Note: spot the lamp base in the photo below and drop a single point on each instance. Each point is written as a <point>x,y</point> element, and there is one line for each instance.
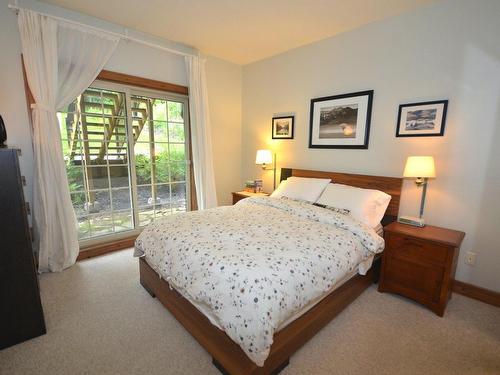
<point>410,220</point>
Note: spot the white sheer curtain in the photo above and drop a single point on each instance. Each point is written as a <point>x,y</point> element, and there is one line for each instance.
<point>61,61</point>
<point>203,168</point>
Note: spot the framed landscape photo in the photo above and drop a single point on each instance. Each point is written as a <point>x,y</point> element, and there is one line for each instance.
<point>426,119</point>
<point>283,127</point>
<point>341,121</point>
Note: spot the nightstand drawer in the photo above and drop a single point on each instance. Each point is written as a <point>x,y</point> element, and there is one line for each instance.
<point>416,249</point>
<point>419,282</point>
<point>420,263</point>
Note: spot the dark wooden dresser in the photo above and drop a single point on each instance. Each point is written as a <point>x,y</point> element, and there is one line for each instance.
<point>420,263</point>
<point>21,314</point>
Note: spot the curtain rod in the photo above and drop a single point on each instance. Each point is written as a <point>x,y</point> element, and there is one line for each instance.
<point>124,36</point>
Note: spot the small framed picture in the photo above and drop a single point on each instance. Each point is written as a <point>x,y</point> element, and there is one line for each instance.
<point>341,121</point>
<point>283,127</point>
<point>426,119</point>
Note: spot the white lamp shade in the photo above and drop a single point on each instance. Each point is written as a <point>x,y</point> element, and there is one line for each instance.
<point>420,166</point>
<point>264,157</point>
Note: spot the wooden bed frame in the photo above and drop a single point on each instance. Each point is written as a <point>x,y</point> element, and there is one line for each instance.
<point>227,356</point>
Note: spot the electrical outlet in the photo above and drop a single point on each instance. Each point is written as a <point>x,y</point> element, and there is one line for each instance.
<point>470,258</point>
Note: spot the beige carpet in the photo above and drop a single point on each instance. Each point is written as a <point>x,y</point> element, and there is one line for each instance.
<point>101,321</point>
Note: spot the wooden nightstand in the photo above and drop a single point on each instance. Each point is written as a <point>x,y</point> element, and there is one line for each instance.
<point>239,195</point>
<point>420,263</point>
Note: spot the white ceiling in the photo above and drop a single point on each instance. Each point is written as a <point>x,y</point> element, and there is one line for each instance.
<point>242,31</point>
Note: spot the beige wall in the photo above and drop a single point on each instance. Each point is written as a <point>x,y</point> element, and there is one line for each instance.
<point>447,50</point>
<point>224,96</point>
<point>13,107</point>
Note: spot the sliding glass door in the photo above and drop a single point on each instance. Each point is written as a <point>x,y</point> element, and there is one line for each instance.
<point>160,157</point>
<point>126,155</point>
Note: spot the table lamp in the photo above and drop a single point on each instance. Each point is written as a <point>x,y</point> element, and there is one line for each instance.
<point>265,157</point>
<point>421,168</point>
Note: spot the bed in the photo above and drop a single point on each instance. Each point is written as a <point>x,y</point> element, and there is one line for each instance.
<point>193,276</point>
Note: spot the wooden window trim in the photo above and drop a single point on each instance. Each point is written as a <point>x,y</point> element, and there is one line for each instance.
<point>106,247</point>
<point>126,79</point>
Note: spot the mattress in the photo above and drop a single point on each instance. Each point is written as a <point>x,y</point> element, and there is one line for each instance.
<point>362,269</point>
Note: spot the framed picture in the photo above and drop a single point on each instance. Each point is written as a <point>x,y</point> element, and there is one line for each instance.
<point>426,119</point>
<point>283,127</point>
<point>341,121</point>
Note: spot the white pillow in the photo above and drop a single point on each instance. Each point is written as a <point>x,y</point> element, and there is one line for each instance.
<point>366,205</point>
<point>305,189</point>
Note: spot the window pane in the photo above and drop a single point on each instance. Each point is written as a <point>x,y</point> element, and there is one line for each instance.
<point>113,103</point>
<point>163,195</point>
<point>162,171</point>
<point>79,200</point>
<point>145,195</point>
<point>179,191</point>
<point>176,132</point>
<point>142,168</point>
<point>160,131</point>
<point>91,102</point>
<point>71,149</point>
<point>118,134</point>
<point>146,215</point>
<point>175,112</point>
<point>179,197</point>
<point>69,126</point>
<point>97,177</point>
<point>177,152</point>
<point>83,228</point>
<point>121,199</point>
<point>75,177</point>
<point>159,110</point>
<point>178,171</point>
<point>98,202</point>
<point>92,152</point>
<point>163,210</point>
<point>161,152</point>
<point>101,224</point>
<point>119,176</point>
<point>66,124</point>
<point>116,130</point>
<point>139,105</point>
<point>95,146</point>
<point>141,130</point>
<point>120,159</point>
<point>142,148</point>
<point>123,220</point>
<point>91,112</point>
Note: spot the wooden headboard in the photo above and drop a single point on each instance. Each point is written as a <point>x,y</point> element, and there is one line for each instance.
<point>389,185</point>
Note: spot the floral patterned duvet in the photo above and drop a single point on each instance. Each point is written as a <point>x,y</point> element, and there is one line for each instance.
<point>256,263</point>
